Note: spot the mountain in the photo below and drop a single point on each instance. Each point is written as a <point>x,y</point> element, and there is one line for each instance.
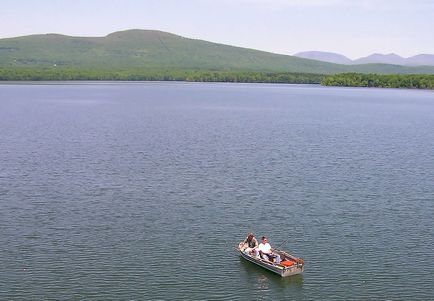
<point>417,60</point>
<point>421,60</point>
<point>378,58</point>
<point>145,49</point>
<point>151,49</point>
<point>323,56</point>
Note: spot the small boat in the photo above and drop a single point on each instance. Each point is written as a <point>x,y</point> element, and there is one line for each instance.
<point>290,265</point>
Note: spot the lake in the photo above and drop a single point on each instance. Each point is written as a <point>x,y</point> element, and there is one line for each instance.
<point>141,191</point>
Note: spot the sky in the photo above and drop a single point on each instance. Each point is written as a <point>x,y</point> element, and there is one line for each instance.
<point>355,28</point>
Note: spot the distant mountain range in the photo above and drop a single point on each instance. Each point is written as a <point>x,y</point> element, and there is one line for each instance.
<point>152,49</point>
<point>376,58</point>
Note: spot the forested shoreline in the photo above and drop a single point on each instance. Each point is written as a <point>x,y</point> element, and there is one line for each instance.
<point>61,74</point>
<point>409,81</point>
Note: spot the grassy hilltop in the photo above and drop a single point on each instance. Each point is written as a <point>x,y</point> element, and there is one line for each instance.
<point>144,49</point>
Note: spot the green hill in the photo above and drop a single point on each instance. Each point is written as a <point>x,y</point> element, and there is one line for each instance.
<point>149,49</point>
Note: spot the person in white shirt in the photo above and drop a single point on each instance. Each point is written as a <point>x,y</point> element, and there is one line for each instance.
<point>264,250</point>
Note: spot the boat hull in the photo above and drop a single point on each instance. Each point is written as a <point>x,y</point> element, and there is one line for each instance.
<point>283,271</point>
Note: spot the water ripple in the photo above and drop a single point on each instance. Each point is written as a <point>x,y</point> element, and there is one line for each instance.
<point>141,192</point>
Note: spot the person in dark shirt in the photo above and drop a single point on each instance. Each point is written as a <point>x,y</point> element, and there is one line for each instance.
<point>249,244</point>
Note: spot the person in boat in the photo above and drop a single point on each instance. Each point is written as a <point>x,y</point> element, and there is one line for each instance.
<point>249,244</point>
<point>266,252</point>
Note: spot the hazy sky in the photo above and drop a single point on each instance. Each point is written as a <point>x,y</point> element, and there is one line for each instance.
<point>352,27</point>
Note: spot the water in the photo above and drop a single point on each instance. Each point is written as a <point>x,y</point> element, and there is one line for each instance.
<point>140,191</point>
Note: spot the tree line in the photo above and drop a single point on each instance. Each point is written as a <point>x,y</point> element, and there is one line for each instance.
<point>34,74</point>
<point>410,81</point>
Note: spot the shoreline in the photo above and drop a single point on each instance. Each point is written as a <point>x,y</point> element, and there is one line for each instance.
<point>366,80</point>
<point>138,82</point>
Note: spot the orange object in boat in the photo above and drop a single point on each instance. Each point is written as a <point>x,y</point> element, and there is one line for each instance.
<point>287,263</point>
